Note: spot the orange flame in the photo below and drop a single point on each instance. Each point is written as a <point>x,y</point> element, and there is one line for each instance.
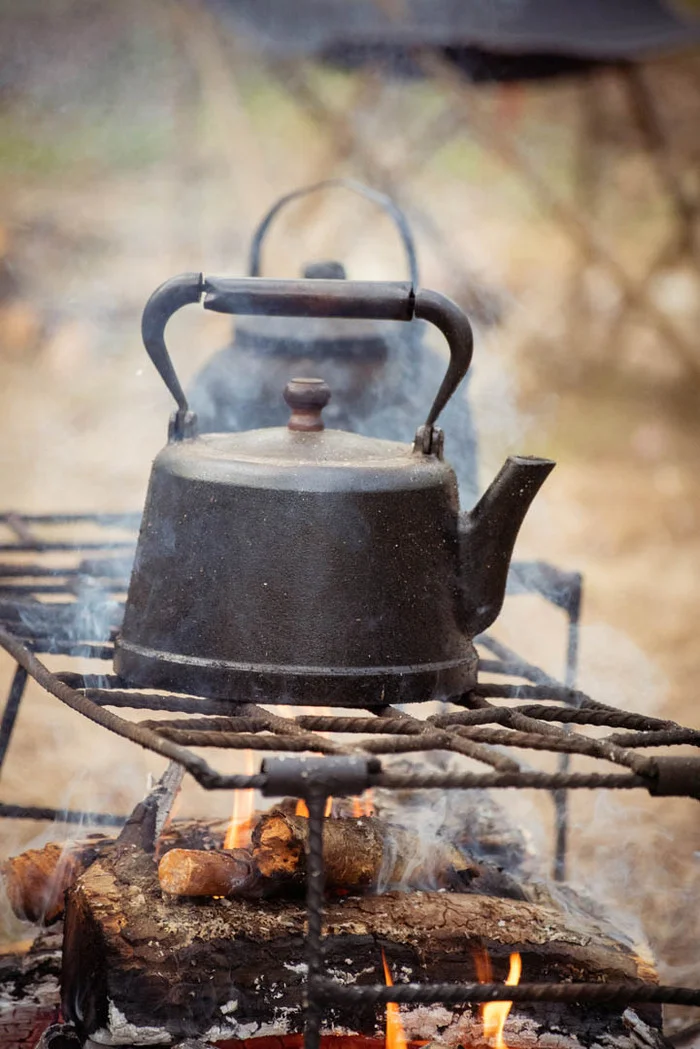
<point>302,808</point>
<point>241,820</point>
<point>363,806</point>
<point>395,1034</point>
<point>495,1014</point>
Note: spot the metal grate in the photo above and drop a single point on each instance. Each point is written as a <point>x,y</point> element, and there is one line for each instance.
<point>62,584</point>
<point>62,593</point>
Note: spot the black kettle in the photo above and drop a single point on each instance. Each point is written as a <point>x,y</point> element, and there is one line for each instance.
<point>305,565</point>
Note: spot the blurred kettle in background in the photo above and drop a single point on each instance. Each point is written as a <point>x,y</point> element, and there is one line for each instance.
<point>383,375</point>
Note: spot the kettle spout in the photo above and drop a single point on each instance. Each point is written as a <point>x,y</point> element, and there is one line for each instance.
<point>487,536</point>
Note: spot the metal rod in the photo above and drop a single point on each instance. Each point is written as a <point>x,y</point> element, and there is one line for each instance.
<point>37,812</point>
<point>125,520</point>
<point>316,802</point>
<point>9,716</point>
<point>453,994</point>
<point>561,797</point>
<point>52,547</point>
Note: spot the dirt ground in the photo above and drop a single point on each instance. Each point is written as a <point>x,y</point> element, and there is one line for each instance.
<point>124,160</point>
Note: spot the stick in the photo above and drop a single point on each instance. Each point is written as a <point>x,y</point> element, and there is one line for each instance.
<point>193,872</point>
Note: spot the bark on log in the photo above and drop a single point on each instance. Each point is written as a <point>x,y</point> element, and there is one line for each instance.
<point>135,960</point>
<point>357,853</point>
<point>36,880</point>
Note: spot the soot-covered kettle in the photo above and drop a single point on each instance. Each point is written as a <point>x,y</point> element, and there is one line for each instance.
<point>300,564</point>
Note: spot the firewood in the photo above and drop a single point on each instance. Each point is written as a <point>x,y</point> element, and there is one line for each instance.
<point>178,967</point>
<point>36,880</point>
<point>194,872</point>
<point>356,852</point>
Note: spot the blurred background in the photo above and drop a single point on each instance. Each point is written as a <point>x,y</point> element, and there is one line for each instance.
<point>547,156</point>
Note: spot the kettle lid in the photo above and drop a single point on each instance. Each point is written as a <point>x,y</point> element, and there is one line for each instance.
<point>303,455</point>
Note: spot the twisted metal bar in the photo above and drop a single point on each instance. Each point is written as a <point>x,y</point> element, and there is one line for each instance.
<point>309,743</point>
<point>674,737</point>
<point>433,739</point>
<point>453,994</point>
<point>315,879</point>
<point>570,743</point>
<point>534,780</point>
<point>583,715</point>
<point>195,765</point>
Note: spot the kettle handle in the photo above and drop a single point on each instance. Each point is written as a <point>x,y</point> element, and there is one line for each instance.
<point>386,203</point>
<point>358,300</point>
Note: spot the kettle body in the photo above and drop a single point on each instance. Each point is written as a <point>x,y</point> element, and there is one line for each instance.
<point>270,567</point>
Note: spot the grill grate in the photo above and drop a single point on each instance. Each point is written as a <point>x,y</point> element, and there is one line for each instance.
<point>63,580</point>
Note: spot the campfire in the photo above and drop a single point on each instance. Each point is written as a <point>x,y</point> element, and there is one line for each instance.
<point>180,929</point>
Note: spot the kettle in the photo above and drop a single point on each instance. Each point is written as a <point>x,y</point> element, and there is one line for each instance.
<point>305,565</point>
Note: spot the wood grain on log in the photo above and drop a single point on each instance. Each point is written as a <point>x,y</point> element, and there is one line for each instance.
<point>135,960</point>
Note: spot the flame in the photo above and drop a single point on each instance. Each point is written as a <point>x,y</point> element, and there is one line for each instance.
<point>302,808</point>
<point>363,806</point>
<point>495,1014</point>
<point>395,1034</point>
<point>242,816</point>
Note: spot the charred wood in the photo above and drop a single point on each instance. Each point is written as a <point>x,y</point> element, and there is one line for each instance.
<point>357,853</point>
<point>136,960</point>
<point>29,990</point>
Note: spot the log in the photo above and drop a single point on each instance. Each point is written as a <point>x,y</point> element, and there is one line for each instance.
<point>139,965</point>
<point>36,880</point>
<point>357,853</point>
<point>192,872</point>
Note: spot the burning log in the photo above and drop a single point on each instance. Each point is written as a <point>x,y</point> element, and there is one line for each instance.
<point>356,853</point>
<point>191,872</point>
<point>137,960</point>
<point>36,880</point>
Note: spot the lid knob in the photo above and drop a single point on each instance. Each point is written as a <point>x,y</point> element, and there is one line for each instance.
<point>307,398</point>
